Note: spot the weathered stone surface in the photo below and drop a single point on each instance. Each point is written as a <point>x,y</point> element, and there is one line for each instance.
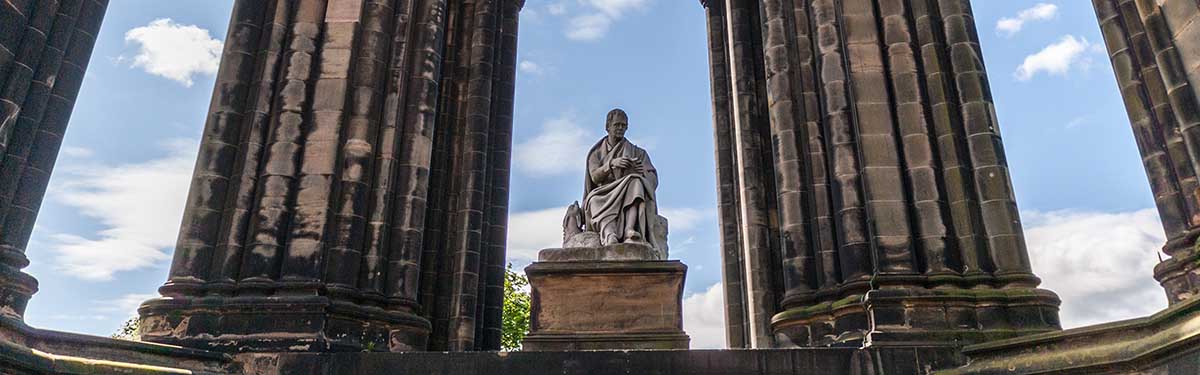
<point>25,350</point>
<point>824,361</point>
<point>858,151</point>
<point>614,252</point>
<point>353,173</point>
<point>45,47</point>
<point>1162,344</point>
<point>1155,52</point>
<point>583,239</point>
<point>581,305</point>
<point>619,203</point>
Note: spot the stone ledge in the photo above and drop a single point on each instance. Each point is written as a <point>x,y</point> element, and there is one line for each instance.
<point>602,341</point>
<point>1127,346</point>
<point>616,252</point>
<point>37,351</point>
<point>825,361</point>
<point>652,266</point>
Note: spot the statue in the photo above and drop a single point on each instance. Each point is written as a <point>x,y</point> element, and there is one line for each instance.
<point>619,205</point>
<point>610,286</point>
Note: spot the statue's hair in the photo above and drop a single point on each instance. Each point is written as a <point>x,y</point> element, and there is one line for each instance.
<point>614,114</point>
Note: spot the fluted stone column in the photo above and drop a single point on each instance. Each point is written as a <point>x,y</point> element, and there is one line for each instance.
<point>351,189</point>
<point>45,46</point>
<point>864,193</point>
<point>1155,50</point>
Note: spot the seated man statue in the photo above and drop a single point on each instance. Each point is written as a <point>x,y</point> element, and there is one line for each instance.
<point>619,203</point>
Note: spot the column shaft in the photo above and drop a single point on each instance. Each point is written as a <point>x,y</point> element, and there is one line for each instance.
<point>1154,50</point>
<point>316,232</point>
<point>727,190</point>
<point>753,172</point>
<point>865,231</point>
<point>44,53</point>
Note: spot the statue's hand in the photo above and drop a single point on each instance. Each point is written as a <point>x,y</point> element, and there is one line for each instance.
<point>622,163</point>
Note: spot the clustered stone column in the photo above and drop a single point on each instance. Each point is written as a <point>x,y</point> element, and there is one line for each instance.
<point>351,191</point>
<point>1155,51</point>
<point>864,193</point>
<point>45,46</point>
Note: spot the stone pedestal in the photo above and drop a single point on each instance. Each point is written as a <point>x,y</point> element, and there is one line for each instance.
<point>599,305</point>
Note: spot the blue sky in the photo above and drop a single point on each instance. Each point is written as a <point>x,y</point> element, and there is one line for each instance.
<point>105,233</point>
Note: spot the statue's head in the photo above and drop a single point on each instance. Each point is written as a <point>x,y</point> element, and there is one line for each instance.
<point>617,124</point>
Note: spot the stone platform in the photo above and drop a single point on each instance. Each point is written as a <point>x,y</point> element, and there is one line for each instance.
<point>824,361</point>
<point>595,305</point>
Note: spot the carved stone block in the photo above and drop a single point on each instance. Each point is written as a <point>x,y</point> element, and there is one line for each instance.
<point>582,305</point>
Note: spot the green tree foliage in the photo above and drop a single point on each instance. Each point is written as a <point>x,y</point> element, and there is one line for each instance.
<point>129,330</point>
<point>516,310</point>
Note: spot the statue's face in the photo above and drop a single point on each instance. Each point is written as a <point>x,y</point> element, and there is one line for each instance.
<point>617,129</point>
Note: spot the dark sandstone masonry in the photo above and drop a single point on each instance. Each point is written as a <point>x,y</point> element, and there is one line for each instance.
<point>864,194</point>
<point>831,361</point>
<point>1155,52</point>
<point>45,46</point>
<point>351,191</point>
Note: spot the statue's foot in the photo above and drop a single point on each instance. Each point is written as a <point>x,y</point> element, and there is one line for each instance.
<point>634,236</point>
<point>610,239</point>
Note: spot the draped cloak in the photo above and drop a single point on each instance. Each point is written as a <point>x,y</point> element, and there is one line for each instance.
<point>610,192</point>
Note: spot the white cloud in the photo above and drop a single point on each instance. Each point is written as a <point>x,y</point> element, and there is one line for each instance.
<point>125,305</point>
<point>1100,264</point>
<point>616,8</point>
<point>173,51</point>
<point>704,318</point>
<point>530,67</point>
<point>681,218</point>
<point>1076,122</point>
<point>77,152</point>
<point>532,231</point>
<point>140,206</point>
<point>557,9</point>
<point>599,17</point>
<point>1012,25</point>
<point>1057,58</point>
<point>79,317</point>
<point>588,27</point>
<point>560,148</point>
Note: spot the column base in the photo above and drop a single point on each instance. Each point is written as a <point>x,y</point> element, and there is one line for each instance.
<point>16,288</point>
<point>606,305</point>
<point>280,324</point>
<point>1179,275</point>
<point>914,316</point>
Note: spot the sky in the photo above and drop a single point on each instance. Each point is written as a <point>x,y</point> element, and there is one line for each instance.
<point>104,237</point>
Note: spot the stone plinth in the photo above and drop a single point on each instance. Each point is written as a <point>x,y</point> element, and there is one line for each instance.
<point>596,305</point>
<point>616,252</point>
